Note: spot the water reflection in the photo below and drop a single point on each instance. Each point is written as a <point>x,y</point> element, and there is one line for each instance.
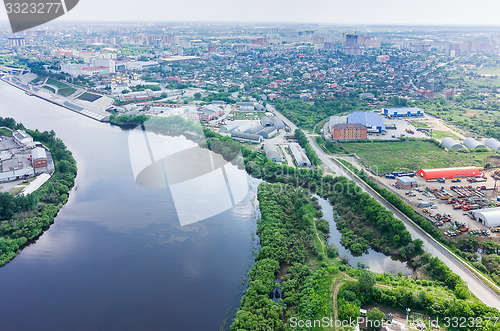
<point>375,261</point>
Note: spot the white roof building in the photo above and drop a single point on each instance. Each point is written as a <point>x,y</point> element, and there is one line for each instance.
<point>488,217</point>
<point>299,155</point>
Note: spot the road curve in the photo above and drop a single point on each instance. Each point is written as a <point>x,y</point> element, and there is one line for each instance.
<point>476,285</point>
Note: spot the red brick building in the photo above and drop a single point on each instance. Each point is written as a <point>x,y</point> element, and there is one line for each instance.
<point>349,131</point>
<point>39,157</point>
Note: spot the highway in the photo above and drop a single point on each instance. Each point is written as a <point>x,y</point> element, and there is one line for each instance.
<point>476,285</point>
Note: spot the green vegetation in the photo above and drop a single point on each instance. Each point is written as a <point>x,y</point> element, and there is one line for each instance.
<point>311,154</point>
<point>434,298</point>
<point>26,218</point>
<point>286,232</point>
<point>306,115</point>
<point>51,89</point>
<point>90,97</point>
<point>56,83</point>
<point>442,134</point>
<point>5,132</point>
<point>127,120</point>
<point>411,155</point>
<point>66,92</point>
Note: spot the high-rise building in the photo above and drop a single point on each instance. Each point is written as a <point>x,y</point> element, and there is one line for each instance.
<point>16,41</point>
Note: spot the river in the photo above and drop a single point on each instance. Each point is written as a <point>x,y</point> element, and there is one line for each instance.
<point>116,257</point>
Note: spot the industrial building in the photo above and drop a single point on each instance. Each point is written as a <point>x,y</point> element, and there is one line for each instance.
<point>335,120</point>
<point>473,143</point>
<point>21,137</point>
<point>255,129</point>
<point>38,157</point>
<point>488,217</point>
<point>372,121</point>
<point>268,132</point>
<point>449,173</point>
<point>404,112</point>
<point>406,182</point>
<point>493,144</point>
<point>272,121</point>
<point>452,144</point>
<point>230,127</point>
<point>272,152</point>
<point>249,106</point>
<point>349,131</point>
<point>246,137</point>
<point>299,155</point>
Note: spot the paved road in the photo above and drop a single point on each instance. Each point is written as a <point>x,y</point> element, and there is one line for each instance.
<point>476,285</point>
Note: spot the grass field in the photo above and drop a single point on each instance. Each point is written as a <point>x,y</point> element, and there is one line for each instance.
<point>5,132</point>
<point>66,91</point>
<point>89,97</point>
<point>56,83</point>
<point>51,89</point>
<point>441,134</point>
<point>412,155</point>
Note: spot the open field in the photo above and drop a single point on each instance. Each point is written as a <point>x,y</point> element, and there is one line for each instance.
<point>441,134</point>
<point>56,83</point>
<point>51,89</point>
<point>66,91</point>
<point>412,155</point>
<point>91,97</point>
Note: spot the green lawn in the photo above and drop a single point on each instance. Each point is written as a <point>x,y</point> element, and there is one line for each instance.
<point>418,124</point>
<point>56,83</point>
<point>89,97</point>
<point>51,89</point>
<point>413,155</point>
<point>5,132</point>
<point>441,134</point>
<point>66,91</point>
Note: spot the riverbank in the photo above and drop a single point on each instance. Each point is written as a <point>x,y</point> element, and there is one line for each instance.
<point>26,217</point>
<point>57,100</point>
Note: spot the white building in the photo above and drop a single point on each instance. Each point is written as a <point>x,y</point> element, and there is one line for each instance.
<point>488,217</point>
<point>21,137</point>
<point>299,155</point>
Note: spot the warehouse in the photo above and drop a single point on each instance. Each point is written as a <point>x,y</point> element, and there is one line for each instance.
<point>372,121</point>
<point>449,173</point>
<point>266,121</point>
<point>268,132</point>
<point>404,112</point>
<point>473,143</point>
<point>272,152</point>
<point>246,137</point>
<point>493,144</point>
<point>255,129</point>
<point>451,144</point>
<point>243,128</point>
<point>39,157</point>
<point>230,127</point>
<point>406,182</point>
<point>278,124</point>
<point>299,155</point>
<point>22,138</point>
<point>488,217</point>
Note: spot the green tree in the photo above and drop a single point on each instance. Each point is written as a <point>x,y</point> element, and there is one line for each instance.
<point>366,281</point>
<point>375,318</point>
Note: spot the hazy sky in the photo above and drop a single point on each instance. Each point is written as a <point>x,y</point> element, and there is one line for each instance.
<point>321,11</point>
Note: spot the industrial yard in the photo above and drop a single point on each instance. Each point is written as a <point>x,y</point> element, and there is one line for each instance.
<point>452,203</point>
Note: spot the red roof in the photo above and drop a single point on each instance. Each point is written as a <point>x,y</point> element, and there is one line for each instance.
<point>430,174</point>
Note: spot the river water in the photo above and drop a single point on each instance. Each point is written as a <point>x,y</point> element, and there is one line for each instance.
<point>116,257</point>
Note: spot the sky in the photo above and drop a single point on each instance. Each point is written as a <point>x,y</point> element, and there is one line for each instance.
<point>391,12</point>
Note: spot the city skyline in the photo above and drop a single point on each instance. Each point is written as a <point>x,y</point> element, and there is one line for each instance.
<point>385,12</point>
